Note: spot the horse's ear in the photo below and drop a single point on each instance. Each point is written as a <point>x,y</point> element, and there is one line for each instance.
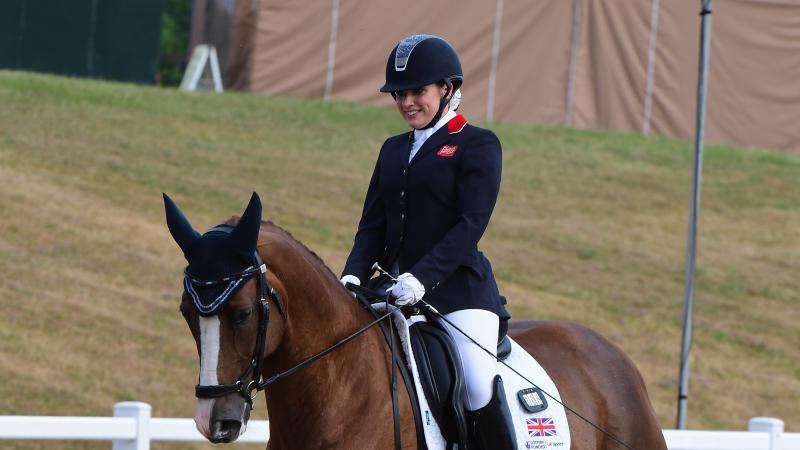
<point>179,226</point>
<point>245,236</point>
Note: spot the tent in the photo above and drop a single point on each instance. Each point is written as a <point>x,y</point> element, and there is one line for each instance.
<point>584,63</point>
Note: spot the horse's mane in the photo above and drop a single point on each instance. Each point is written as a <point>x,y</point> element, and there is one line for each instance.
<point>272,227</point>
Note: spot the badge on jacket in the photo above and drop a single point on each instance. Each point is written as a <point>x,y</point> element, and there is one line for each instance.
<point>447,151</point>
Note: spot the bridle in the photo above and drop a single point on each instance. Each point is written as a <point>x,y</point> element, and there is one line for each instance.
<point>254,369</point>
<point>251,378</point>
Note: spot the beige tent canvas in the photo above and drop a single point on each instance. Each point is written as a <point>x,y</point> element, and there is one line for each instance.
<point>629,66</point>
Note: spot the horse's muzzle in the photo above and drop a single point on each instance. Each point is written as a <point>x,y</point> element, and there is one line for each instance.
<point>225,431</point>
<point>228,420</point>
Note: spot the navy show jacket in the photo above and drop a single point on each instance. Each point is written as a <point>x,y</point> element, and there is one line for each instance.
<point>428,215</point>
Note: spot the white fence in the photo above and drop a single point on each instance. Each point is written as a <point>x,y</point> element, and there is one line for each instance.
<point>764,433</point>
<point>132,428</point>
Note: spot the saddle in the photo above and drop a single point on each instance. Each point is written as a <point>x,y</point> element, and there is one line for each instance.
<point>441,376</point>
<point>439,368</point>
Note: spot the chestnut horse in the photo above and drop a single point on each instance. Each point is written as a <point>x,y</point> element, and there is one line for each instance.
<point>343,400</point>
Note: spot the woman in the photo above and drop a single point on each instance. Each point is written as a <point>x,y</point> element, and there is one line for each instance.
<point>428,203</point>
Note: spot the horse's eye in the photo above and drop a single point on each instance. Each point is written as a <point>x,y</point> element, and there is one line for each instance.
<point>242,316</point>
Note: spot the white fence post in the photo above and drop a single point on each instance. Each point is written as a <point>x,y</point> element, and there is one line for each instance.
<point>774,427</point>
<point>141,412</point>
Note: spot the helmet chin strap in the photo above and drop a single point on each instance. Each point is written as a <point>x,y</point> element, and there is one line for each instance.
<point>442,105</point>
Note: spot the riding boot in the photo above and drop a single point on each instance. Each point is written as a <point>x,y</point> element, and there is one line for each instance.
<point>491,427</point>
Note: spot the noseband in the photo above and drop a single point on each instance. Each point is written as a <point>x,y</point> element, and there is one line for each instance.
<point>253,371</point>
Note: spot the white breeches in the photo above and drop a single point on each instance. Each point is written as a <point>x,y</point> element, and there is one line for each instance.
<point>479,367</point>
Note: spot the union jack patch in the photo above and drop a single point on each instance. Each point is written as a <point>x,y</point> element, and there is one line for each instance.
<point>447,151</point>
<point>541,426</point>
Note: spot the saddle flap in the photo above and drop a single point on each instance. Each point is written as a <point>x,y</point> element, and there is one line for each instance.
<point>439,368</point>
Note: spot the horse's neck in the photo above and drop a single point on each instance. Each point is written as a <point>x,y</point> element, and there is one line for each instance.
<point>320,313</point>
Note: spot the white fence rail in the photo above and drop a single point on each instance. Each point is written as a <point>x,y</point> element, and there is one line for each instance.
<point>764,433</point>
<point>133,428</point>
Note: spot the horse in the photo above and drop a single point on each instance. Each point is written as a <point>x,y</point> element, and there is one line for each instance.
<point>343,400</point>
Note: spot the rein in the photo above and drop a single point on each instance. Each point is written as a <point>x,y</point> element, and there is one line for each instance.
<point>263,384</point>
<point>280,376</point>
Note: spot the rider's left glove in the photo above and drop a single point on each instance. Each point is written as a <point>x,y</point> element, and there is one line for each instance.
<point>407,291</point>
<point>350,279</point>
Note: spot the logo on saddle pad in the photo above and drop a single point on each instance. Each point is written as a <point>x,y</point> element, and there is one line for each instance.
<point>447,151</point>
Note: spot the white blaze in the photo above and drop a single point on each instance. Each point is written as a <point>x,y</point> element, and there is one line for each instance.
<point>209,356</point>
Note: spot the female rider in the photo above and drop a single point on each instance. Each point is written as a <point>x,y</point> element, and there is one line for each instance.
<point>428,203</point>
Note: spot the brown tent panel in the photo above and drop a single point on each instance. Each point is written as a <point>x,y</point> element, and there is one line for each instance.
<point>615,65</point>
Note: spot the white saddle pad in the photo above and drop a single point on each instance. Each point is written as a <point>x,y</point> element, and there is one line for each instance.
<point>547,429</point>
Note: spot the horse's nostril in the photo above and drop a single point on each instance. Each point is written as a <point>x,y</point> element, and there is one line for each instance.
<point>225,431</point>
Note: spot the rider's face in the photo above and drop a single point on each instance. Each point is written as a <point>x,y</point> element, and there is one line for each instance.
<point>418,106</point>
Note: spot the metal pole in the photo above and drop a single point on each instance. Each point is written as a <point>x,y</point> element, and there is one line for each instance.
<point>705,39</point>
<point>655,6</point>
<point>498,26</point>
<point>573,63</point>
<point>331,50</point>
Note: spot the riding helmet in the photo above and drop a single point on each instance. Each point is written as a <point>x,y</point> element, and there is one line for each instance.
<point>419,60</point>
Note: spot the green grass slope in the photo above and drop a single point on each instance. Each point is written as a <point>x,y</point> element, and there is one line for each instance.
<point>590,227</point>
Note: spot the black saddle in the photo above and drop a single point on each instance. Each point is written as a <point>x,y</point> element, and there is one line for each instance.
<point>441,376</point>
<point>439,367</point>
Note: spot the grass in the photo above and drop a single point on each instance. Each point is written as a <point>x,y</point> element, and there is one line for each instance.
<point>590,227</point>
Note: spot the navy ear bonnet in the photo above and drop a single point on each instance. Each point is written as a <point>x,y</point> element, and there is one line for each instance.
<point>220,260</point>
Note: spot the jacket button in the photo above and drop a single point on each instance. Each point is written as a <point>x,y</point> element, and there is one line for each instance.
<point>402,217</point>
<point>402,194</point>
<point>404,171</point>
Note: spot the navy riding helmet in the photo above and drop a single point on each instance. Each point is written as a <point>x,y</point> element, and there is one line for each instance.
<point>422,59</point>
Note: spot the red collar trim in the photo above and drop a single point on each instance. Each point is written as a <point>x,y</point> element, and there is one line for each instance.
<point>456,124</point>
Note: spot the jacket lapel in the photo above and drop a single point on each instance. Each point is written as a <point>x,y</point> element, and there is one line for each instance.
<point>442,136</point>
<point>403,155</point>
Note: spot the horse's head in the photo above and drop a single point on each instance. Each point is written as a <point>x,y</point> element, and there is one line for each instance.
<point>226,303</point>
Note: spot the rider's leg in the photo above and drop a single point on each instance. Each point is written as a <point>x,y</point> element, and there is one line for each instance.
<point>479,367</point>
<point>488,413</point>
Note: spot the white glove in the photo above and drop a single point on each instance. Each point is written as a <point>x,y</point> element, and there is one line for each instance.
<point>350,279</point>
<point>407,291</point>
